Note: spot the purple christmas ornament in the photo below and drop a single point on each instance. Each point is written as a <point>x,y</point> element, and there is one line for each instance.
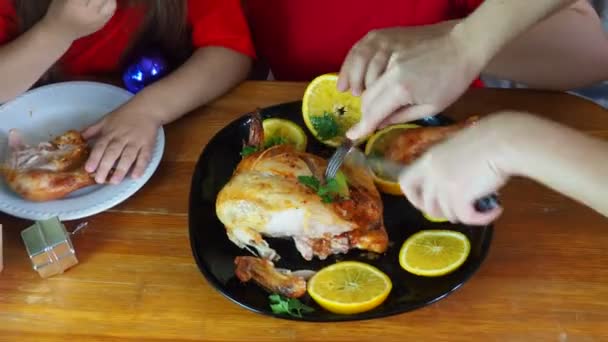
<point>146,70</point>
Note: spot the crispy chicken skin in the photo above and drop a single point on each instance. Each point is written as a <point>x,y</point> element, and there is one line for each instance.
<point>410,144</point>
<point>262,271</point>
<point>48,171</point>
<point>264,198</point>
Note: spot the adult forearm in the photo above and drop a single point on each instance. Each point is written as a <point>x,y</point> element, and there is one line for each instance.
<point>557,156</point>
<point>209,73</point>
<point>497,22</point>
<point>568,50</point>
<point>24,60</point>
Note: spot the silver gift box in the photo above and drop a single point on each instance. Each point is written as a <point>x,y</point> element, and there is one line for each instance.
<point>49,247</point>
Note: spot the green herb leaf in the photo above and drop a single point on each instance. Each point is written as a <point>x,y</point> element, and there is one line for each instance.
<point>276,140</point>
<point>342,184</point>
<point>310,181</point>
<point>330,187</point>
<point>296,308</point>
<point>280,308</point>
<point>326,198</point>
<point>325,125</point>
<point>306,309</point>
<point>289,306</point>
<point>247,150</point>
<point>275,298</point>
<point>328,192</point>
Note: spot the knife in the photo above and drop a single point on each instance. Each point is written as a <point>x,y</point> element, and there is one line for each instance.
<point>391,170</point>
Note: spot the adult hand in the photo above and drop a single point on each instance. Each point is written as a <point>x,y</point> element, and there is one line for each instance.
<point>408,73</point>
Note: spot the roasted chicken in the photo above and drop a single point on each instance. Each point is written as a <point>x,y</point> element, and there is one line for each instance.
<point>48,171</point>
<point>265,198</point>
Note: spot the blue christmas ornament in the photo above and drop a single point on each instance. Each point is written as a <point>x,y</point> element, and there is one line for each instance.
<point>146,70</point>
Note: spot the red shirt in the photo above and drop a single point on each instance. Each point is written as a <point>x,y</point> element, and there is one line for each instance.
<point>213,22</point>
<point>301,39</point>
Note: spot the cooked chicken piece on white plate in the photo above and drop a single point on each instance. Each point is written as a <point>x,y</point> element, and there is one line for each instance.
<point>47,171</point>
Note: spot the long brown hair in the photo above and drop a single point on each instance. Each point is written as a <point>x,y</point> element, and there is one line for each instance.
<point>165,27</point>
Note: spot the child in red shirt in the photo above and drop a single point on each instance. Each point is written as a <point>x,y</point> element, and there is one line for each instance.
<point>300,40</point>
<point>206,42</point>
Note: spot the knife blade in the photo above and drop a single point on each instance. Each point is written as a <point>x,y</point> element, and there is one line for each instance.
<point>390,170</point>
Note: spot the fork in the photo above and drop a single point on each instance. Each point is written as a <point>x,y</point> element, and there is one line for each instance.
<point>481,205</point>
<point>336,160</point>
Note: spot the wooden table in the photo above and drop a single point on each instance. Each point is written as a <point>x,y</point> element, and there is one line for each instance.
<point>546,277</point>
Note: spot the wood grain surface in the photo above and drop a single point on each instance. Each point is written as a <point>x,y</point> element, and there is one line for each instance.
<point>545,279</point>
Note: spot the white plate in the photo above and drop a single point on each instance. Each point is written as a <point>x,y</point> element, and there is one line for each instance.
<point>49,111</point>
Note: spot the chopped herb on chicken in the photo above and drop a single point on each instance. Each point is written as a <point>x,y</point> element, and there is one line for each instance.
<point>326,126</point>
<point>332,190</point>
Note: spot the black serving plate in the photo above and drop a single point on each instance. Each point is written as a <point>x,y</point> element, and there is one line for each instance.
<point>215,254</point>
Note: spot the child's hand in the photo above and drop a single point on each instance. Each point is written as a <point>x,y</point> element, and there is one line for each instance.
<point>447,180</point>
<point>124,138</point>
<point>78,18</point>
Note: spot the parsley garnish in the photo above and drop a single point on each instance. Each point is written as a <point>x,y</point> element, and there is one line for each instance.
<point>328,191</point>
<point>325,125</point>
<point>276,140</point>
<point>247,150</point>
<point>290,306</point>
<point>310,181</point>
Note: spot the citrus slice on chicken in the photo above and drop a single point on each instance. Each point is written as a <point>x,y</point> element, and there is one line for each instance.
<point>375,146</point>
<point>281,131</point>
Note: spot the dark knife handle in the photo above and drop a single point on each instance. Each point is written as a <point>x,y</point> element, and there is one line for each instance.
<point>487,203</point>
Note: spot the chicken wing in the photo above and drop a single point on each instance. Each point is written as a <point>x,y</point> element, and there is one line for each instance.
<point>410,144</point>
<point>263,272</point>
